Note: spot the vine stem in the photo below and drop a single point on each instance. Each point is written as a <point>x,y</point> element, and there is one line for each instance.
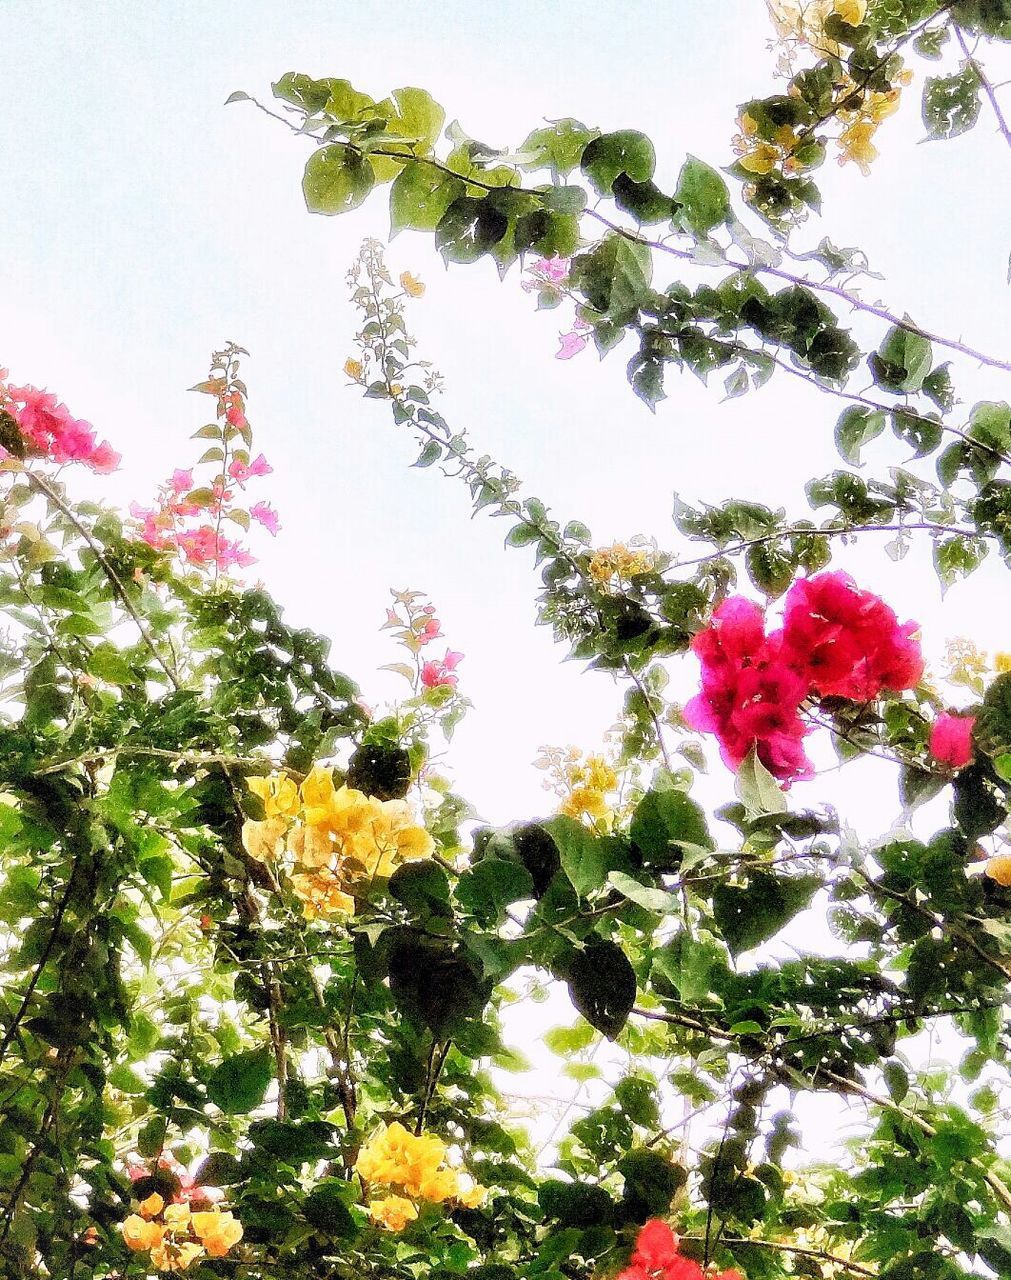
<point>41,485</point>
<point>988,87</point>
<point>995,1183</point>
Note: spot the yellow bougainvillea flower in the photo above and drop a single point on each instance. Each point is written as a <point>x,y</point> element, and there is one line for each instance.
<point>584,801</point>
<point>177,1216</point>
<point>438,1186</point>
<point>397,1157</point>
<point>321,894</point>
<point>152,1206</point>
<point>353,368</point>
<point>411,285</point>
<point>317,793</point>
<point>618,561</point>
<point>857,145</point>
<point>264,840</point>
<point>748,124</point>
<point>472,1197</point>
<point>279,795</point>
<point>218,1231</point>
<point>851,11</point>
<point>599,774</point>
<point>175,1257</point>
<point>393,1212</point>
<point>999,869</point>
<point>138,1234</point>
<point>1002,663</point>
<point>763,159</point>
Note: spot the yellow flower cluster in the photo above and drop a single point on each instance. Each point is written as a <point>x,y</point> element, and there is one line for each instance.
<point>354,369</point>
<point>334,836</point>
<point>856,142</point>
<point>759,156</point>
<point>618,561</point>
<point>584,785</point>
<point>966,664</point>
<point>411,285</point>
<point>413,1168</point>
<point>176,1236</point>
<point>804,20</point>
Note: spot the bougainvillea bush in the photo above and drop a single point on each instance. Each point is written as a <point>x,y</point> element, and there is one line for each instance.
<point>257,952</point>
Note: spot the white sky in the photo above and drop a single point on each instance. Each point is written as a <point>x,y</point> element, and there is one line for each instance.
<point>146,224</point>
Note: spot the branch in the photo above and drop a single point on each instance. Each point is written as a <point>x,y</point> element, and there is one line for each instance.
<point>987,84</point>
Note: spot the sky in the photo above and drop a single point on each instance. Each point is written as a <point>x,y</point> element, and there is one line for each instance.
<point>147,223</point>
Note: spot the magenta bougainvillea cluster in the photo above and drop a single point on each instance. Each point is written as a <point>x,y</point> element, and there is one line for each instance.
<point>836,641</point>
<point>657,1256</point>
<point>48,429</point>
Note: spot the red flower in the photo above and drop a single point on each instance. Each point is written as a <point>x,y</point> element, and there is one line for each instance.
<point>951,740</point>
<point>439,671</point>
<point>750,696</point>
<point>846,642</point>
<point>656,1257</point>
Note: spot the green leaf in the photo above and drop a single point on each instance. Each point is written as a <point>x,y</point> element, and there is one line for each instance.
<point>422,887</point>
<point>624,152</point>
<point>951,104</point>
<point>420,196</point>
<point>336,180</point>
<point>434,982</point>
<point>652,899</point>
<point>903,360</point>
<point>749,914</point>
<point>492,885</point>
<point>602,986</point>
<point>325,1209</point>
<point>855,428</point>
<point>418,116</point>
<point>614,277</point>
<point>921,433</point>
<point>583,856</point>
<point>559,146</point>
<point>703,195</point>
<point>302,91</point>
<point>469,228</point>
<point>651,1183</point>
<point>664,823</point>
<point>757,789</point>
<point>238,1084</point>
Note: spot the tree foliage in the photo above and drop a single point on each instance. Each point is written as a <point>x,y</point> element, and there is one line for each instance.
<point>257,951</point>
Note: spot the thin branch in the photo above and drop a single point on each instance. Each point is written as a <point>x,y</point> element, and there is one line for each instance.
<point>988,87</point>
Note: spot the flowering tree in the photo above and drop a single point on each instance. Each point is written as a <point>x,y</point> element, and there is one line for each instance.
<point>256,951</point>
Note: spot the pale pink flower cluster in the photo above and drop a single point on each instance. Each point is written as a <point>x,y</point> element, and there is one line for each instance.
<point>50,430</point>
<point>547,278</point>
<point>187,520</point>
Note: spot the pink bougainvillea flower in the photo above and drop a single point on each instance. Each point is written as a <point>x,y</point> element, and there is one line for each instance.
<point>657,1257</point>
<point>428,631</point>
<point>750,697</point>
<point>573,342</point>
<point>50,429</point>
<point>553,269</point>
<point>242,471</point>
<point>951,740</point>
<point>263,513</point>
<point>182,481</point>
<point>847,642</point>
<point>440,671</point>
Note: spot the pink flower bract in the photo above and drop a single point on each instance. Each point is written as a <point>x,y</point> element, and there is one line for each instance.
<point>440,671</point>
<point>750,696</point>
<point>847,642</point>
<point>950,740</point>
